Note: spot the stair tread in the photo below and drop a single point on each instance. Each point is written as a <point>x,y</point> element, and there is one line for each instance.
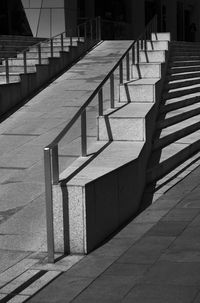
<point>184,109</point>
<point>132,110</point>
<point>181,125</point>
<point>189,87</point>
<point>184,80</point>
<point>147,81</point>
<point>112,157</point>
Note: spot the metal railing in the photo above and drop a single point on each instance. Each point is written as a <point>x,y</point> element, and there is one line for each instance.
<point>89,30</point>
<point>51,159</point>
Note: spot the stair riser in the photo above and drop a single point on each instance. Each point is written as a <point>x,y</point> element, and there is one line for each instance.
<point>48,49</point>
<point>177,105</point>
<point>184,58</point>
<point>147,71</point>
<point>161,37</point>
<point>33,55</point>
<point>20,62</point>
<point>155,56</point>
<point>17,69</point>
<point>121,129</point>
<point>11,78</point>
<point>139,93</point>
<point>157,45</point>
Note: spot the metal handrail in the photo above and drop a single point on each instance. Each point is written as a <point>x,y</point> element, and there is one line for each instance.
<point>51,160</point>
<point>92,22</point>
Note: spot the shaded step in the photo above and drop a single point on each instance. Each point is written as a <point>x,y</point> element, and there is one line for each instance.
<point>178,92</point>
<point>20,62</point>
<point>184,63</point>
<point>180,102</point>
<point>182,83</point>
<point>165,160</point>
<point>184,75</point>
<point>18,69</point>
<point>32,55</point>
<point>13,77</point>
<point>178,115</point>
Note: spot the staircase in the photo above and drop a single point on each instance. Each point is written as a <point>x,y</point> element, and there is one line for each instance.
<point>28,64</point>
<point>176,142</point>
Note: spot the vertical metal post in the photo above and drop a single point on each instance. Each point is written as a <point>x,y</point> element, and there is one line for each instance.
<point>78,33</point>
<point>25,62</point>
<point>83,134</point>
<point>7,71</point>
<point>133,54</point>
<point>51,47</point>
<point>62,42</point>
<point>70,33</point>
<point>91,30</point>
<point>100,101</point>
<point>85,31</point>
<point>99,28</point>
<point>55,165</point>
<point>121,72</point>
<point>39,54</point>
<point>49,205</point>
<point>138,51</point>
<point>112,91</point>
<point>127,67</point>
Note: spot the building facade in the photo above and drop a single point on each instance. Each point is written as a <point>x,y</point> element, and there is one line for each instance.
<point>121,19</point>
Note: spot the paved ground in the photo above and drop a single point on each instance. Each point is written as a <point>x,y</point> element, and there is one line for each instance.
<point>23,136</point>
<point>156,258</point>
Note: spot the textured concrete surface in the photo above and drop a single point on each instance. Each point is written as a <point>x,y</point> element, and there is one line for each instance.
<point>155,258</point>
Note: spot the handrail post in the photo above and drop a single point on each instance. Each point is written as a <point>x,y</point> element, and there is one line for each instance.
<point>127,67</point>
<point>99,27</point>
<point>83,134</point>
<point>39,54</point>
<point>121,72</point>
<point>100,101</point>
<point>112,91</point>
<point>78,33</point>
<point>7,71</point>
<point>62,43</point>
<point>51,47</point>
<point>138,51</point>
<point>49,205</point>
<point>55,165</point>
<point>25,62</point>
<point>85,31</point>
<point>133,54</point>
<point>91,30</point>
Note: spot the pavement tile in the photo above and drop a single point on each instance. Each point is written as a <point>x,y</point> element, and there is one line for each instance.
<point>161,204</point>
<point>147,250</point>
<point>136,271</point>
<point>18,299</point>
<point>176,254</point>
<point>16,270</point>
<point>181,215</point>
<point>91,266</point>
<point>9,258</point>
<point>40,283</point>
<point>64,287</point>
<point>14,284</point>
<point>195,222</point>
<point>115,247</point>
<point>167,228</point>
<point>174,273</point>
<point>153,293</point>
<point>134,230</point>
<point>107,289</point>
<point>197,299</point>
<point>150,216</point>
<point>61,265</point>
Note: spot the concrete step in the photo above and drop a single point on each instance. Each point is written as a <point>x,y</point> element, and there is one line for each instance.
<point>13,77</point>
<point>161,37</point>
<point>20,62</point>
<point>147,70</point>
<point>183,91</point>
<point>127,123</point>
<point>178,115</point>
<point>181,57</point>
<point>181,83</point>
<point>184,63</point>
<point>32,55</point>
<point>66,42</point>
<point>183,52</point>
<point>180,102</point>
<point>183,69</point>
<point>168,136</point>
<point>18,69</point>
<point>168,158</point>
<point>142,90</point>
<point>182,76</point>
<point>153,56</point>
<point>157,45</point>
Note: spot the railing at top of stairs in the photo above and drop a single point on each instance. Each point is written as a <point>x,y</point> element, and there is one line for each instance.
<point>51,160</point>
<point>89,30</point>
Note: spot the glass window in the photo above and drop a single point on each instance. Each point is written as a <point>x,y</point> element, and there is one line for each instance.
<point>58,21</point>
<point>35,3</point>
<point>44,26</point>
<point>33,18</point>
<point>53,3</point>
